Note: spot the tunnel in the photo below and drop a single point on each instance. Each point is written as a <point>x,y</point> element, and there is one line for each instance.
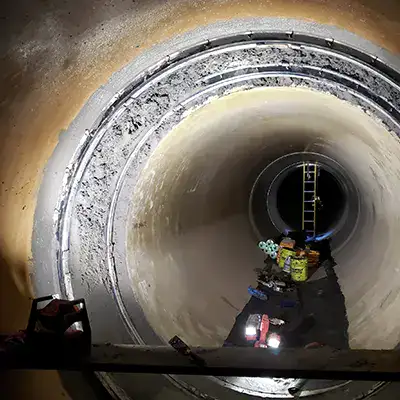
<point>210,232</point>
<point>289,199</point>
<point>146,184</point>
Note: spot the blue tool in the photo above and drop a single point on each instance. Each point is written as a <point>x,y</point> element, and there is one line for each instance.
<point>257,293</point>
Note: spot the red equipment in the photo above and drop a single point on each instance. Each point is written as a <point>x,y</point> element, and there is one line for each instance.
<point>257,331</point>
<point>60,329</point>
<point>264,328</point>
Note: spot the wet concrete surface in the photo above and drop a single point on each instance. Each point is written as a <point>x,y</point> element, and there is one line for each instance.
<point>54,55</point>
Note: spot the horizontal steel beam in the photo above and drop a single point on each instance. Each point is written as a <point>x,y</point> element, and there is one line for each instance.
<point>321,363</point>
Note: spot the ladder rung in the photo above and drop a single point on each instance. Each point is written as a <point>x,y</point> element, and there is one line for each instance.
<point>309,181</point>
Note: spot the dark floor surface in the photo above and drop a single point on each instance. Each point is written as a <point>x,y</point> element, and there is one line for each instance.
<point>319,315</point>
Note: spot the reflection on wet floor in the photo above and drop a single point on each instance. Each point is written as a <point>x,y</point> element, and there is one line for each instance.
<point>300,314</point>
<point>321,299</point>
<point>313,314</point>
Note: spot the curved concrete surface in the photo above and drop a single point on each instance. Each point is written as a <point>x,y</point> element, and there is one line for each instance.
<point>192,199</point>
<point>54,56</point>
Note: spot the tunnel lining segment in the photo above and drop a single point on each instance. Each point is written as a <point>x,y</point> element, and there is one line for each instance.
<point>103,281</point>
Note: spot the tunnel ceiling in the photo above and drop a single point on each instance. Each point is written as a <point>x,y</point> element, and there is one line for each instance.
<point>172,159</point>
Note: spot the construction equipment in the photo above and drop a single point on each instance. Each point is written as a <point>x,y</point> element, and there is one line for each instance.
<point>60,329</point>
<point>299,269</point>
<point>50,342</point>
<point>271,279</point>
<point>310,198</point>
<point>258,331</point>
<point>295,261</point>
<point>275,285</point>
<point>257,293</point>
<point>270,248</point>
<point>181,347</point>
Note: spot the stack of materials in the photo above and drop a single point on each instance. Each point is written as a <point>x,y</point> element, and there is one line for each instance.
<point>293,260</point>
<point>270,248</point>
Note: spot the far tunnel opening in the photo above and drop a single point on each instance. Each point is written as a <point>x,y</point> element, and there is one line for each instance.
<point>290,200</point>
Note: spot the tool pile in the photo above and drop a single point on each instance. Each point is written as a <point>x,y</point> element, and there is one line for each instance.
<point>287,264</point>
<point>291,259</point>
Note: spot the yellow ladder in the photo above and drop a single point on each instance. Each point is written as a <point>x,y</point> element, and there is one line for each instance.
<point>309,197</point>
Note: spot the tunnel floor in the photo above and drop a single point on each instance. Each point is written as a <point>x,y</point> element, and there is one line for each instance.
<point>321,299</point>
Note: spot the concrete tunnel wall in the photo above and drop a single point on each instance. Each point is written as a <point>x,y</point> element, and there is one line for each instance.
<point>55,55</point>
<point>193,202</point>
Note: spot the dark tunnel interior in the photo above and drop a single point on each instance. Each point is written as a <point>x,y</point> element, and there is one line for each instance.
<point>290,200</point>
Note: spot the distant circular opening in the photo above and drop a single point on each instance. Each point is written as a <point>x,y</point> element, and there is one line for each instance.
<point>276,199</point>
<point>329,210</point>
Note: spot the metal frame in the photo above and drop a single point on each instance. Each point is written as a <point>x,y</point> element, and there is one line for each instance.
<point>320,363</point>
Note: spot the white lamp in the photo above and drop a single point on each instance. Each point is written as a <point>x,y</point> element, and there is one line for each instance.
<point>274,341</point>
<point>251,331</point>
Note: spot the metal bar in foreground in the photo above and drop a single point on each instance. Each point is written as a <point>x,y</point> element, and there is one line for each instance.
<point>321,363</point>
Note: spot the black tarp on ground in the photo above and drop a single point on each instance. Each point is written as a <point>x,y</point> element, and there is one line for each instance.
<point>321,302</point>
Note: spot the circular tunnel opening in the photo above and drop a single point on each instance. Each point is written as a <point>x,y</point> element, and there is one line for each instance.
<point>197,231</point>
<point>330,195</point>
<point>202,228</point>
<point>276,199</point>
<point>180,264</point>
